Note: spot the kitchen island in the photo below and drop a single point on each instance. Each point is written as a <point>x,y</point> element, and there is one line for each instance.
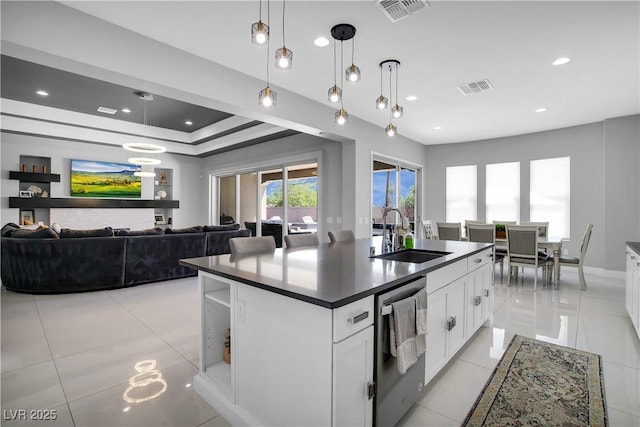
<point>302,326</point>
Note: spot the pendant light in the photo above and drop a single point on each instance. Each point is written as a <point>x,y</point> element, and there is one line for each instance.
<point>341,32</point>
<point>352,73</point>
<point>284,56</point>
<point>382,102</point>
<point>144,147</point>
<point>335,93</point>
<point>259,30</point>
<point>267,98</point>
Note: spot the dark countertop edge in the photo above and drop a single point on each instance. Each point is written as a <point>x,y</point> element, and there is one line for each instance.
<point>635,246</point>
<point>341,302</point>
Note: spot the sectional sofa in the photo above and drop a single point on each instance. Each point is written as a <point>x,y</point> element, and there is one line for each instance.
<point>44,261</point>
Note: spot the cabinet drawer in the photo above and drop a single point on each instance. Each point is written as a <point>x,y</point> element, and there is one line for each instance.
<point>445,275</point>
<point>476,261</point>
<point>351,318</point>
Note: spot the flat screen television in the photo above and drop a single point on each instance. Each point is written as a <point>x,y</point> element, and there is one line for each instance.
<point>90,178</point>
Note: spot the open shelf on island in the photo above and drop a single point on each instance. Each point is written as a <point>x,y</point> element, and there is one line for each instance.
<point>220,372</point>
<point>222,296</point>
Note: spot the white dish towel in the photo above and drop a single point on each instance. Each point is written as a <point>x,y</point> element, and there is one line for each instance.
<point>408,330</point>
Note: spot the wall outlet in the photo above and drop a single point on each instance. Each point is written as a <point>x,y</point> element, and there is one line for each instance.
<point>366,220</point>
<point>339,219</point>
<point>329,220</point>
<point>359,220</point>
<point>240,309</point>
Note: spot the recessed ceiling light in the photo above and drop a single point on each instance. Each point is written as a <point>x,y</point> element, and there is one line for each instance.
<point>561,61</point>
<point>321,42</point>
<point>437,128</point>
<point>541,110</point>
<point>107,110</point>
<point>188,123</point>
<point>126,110</point>
<point>42,93</point>
<point>411,98</point>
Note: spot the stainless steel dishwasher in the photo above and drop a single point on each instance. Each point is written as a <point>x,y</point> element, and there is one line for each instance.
<point>395,393</point>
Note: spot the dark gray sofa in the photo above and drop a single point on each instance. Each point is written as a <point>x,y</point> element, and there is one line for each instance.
<point>62,265</point>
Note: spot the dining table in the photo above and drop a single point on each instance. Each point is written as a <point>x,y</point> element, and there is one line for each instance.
<point>553,245</point>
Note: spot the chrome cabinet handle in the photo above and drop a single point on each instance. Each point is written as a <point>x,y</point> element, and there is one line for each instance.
<point>486,293</point>
<point>477,301</point>
<point>359,317</point>
<point>478,260</point>
<point>451,323</point>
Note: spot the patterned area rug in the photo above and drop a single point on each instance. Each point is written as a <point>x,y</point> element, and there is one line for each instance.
<point>542,384</point>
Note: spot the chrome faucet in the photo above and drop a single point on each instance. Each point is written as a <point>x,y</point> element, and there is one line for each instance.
<point>387,244</point>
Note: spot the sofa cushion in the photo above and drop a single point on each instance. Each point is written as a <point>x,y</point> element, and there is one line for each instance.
<point>194,229</point>
<point>145,232</point>
<point>69,233</point>
<point>40,233</point>
<point>8,229</point>
<point>227,227</point>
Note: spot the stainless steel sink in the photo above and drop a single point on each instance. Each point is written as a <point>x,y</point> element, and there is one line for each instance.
<point>412,255</point>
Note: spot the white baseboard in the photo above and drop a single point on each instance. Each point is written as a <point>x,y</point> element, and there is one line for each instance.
<point>605,273</point>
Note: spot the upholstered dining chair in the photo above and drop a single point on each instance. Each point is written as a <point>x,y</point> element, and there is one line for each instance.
<point>522,251</point>
<point>486,233</point>
<point>579,262</point>
<point>298,240</point>
<point>250,245</point>
<point>449,230</point>
<point>467,222</point>
<point>341,236</point>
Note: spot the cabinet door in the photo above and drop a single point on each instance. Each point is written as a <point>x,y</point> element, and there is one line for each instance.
<point>635,297</point>
<point>436,333</point>
<point>455,312</point>
<point>473,302</point>
<point>487,290</point>
<point>631,257</point>
<point>352,374</point>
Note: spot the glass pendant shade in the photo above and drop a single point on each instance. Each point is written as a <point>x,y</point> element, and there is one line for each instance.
<point>397,111</point>
<point>334,94</point>
<point>259,32</point>
<point>381,102</point>
<point>341,116</point>
<point>391,129</point>
<point>284,58</point>
<point>267,98</point>
<point>352,74</point>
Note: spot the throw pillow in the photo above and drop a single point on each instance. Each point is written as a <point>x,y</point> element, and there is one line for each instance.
<point>8,229</point>
<point>194,229</point>
<point>145,232</point>
<point>221,227</point>
<point>41,233</point>
<point>68,233</point>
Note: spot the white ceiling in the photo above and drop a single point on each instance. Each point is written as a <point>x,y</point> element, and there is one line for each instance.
<point>512,44</point>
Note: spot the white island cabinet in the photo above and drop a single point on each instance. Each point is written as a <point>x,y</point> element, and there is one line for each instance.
<point>632,285</point>
<point>292,363</point>
<point>301,325</point>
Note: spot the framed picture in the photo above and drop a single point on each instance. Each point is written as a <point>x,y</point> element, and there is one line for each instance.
<point>25,194</point>
<point>27,218</point>
<point>160,219</point>
<point>105,179</point>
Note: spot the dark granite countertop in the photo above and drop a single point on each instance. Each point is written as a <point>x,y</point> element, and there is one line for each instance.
<point>331,274</point>
<point>635,246</point>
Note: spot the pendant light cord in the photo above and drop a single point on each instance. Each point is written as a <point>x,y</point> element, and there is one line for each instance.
<point>335,79</point>
<point>268,38</point>
<point>396,103</point>
<point>381,91</point>
<point>283,10</point>
<point>260,19</point>
<point>341,74</point>
<point>353,49</point>
<point>390,95</point>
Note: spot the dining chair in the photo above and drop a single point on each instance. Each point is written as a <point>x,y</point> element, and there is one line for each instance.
<point>341,236</point>
<point>522,251</point>
<point>427,227</point>
<point>449,230</point>
<point>467,222</point>
<point>298,240</point>
<point>543,228</point>
<point>249,245</point>
<point>579,262</point>
<point>486,233</point>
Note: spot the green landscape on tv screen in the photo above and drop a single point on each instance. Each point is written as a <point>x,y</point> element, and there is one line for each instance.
<point>104,179</point>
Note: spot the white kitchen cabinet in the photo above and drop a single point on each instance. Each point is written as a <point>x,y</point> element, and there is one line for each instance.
<point>632,288</point>
<point>479,291</point>
<point>445,324</point>
<point>352,375</point>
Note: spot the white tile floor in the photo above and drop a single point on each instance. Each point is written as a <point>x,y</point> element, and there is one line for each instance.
<point>77,353</point>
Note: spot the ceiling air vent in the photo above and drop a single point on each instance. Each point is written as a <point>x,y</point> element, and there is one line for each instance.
<point>475,87</point>
<point>398,9</point>
<point>107,110</point>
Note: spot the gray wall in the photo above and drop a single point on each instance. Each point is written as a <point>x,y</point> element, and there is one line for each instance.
<point>604,180</point>
<point>186,173</point>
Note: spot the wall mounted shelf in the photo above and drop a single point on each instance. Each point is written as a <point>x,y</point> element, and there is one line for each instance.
<point>52,202</point>
<point>34,177</point>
